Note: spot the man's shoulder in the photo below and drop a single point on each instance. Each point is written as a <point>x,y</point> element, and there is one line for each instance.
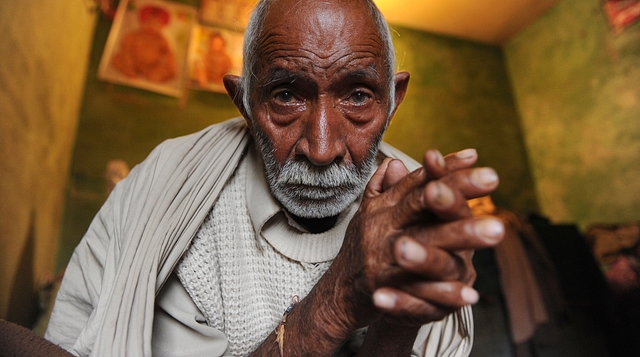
<point>217,140</point>
<point>227,127</point>
<point>391,151</point>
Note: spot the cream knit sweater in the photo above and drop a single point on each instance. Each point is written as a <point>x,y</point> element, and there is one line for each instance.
<point>240,283</point>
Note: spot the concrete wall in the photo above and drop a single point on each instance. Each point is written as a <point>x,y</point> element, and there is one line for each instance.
<point>44,46</point>
<point>577,86</point>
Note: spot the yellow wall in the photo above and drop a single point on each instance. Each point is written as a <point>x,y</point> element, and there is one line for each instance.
<point>44,48</point>
<point>577,86</point>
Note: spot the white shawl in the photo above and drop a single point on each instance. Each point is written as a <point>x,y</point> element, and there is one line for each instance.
<point>107,297</point>
<point>138,236</point>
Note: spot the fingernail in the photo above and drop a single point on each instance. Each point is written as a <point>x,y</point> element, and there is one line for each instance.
<point>413,252</point>
<point>484,176</point>
<point>469,295</point>
<point>440,159</point>
<point>444,196</point>
<point>384,300</point>
<point>489,229</point>
<point>466,153</point>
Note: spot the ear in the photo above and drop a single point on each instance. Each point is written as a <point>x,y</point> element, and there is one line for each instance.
<point>235,91</point>
<point>401,81</point>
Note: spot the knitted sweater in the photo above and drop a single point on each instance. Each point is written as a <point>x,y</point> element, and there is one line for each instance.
<point>239,282</point>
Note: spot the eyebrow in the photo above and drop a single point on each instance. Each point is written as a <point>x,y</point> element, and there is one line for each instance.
<point>363,74</point>
<point>280,74</point>
<point>283,75</point>
<point>369,72</point>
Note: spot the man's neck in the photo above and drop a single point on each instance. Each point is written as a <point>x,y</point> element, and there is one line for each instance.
<point>316,225</point>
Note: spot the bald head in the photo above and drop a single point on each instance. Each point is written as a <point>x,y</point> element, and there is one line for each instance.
<point>318,15</point>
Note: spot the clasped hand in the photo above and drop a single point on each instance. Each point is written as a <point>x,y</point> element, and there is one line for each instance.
<point>407,252</point>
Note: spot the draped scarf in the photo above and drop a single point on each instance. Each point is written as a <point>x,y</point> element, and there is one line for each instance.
<point>149,221</point>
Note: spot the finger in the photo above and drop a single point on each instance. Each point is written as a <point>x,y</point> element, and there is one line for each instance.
<point>474,182</point>
<point>434,164</point>
<point>429,262</point>
<point>455,161</point>
<point>461,160</point>
<point>445,251</point>
<point>399,303</point>
<point>425,301</point>
<point>452,294</point>
<point>394,173</point>
<point>445,198</point>
<point>469,233</point>
<point>408,183</point>
<point>376,183</point>
<point>467,257</point>
<point>413,204</point>
<point>388,174</point>
<point>435,202</point>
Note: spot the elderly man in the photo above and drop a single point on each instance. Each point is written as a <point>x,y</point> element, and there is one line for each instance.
<point>291,231</point>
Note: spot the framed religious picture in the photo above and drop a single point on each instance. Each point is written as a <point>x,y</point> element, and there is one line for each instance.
<point>621,13</point>
<point>231,14</point>
<point>213,52</point>
<point>147,46</point>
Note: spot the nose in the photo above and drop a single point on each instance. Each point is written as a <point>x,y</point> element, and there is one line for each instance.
<point>323,138</point>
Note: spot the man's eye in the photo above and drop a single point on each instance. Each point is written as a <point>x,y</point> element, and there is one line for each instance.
<point>359,97</point>
<point>284,96</point>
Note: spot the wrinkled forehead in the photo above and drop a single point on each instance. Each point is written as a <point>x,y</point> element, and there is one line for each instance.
<point>320,31</point>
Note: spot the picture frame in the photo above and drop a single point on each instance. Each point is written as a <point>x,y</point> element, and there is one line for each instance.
<point>213,52</point>
<point>147,46</point>
<point>621,13</point>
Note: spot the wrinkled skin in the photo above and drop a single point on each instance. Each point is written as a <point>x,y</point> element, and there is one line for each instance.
<point>414,240</point>
<point>322,95</point>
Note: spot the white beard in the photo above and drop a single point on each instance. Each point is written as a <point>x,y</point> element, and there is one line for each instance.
<point>310,191</point>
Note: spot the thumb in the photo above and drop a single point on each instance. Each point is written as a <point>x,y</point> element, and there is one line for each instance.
<point>389,173</point>
<point>395,172</point>
<point>376,184</point>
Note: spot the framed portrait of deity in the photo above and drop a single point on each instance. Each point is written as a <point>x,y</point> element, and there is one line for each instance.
<point>621,13</point>
<point>231,14</point>
<point>213,52</point>
<point>147,46</point>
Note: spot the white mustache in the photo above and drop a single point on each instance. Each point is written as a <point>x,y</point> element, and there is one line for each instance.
<point>303,173</point>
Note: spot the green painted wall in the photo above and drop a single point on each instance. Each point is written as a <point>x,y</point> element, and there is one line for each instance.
<point>459,96</point>
<point>577,87</point>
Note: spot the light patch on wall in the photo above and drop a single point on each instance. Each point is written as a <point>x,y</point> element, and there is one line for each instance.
<point>595,148</point>
<point>628,99</point>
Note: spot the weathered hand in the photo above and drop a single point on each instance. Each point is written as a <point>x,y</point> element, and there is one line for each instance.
<point>410,244</point>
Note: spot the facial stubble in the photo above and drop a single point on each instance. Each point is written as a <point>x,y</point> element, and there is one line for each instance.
<point>311,191</point>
